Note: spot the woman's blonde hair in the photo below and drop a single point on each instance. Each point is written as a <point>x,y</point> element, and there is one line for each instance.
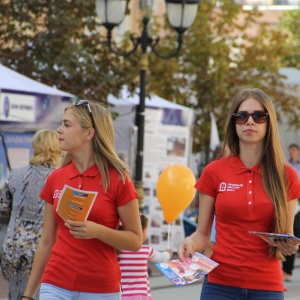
<point>46,148</point>
<point>103,140</point>
<point>273,160</point>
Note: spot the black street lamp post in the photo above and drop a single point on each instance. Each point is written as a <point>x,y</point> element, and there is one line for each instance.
<point>181,15</point>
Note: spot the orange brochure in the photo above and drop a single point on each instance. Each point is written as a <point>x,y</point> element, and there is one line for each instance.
<point>74,204</point>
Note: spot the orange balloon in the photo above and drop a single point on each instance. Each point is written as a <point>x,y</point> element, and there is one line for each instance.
<point>175,190</point>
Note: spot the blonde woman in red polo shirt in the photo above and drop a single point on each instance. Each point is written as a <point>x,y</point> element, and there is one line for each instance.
<point>77,259</point>
<point>252,189</point>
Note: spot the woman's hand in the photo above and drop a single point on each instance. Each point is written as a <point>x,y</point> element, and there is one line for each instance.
<point>286,246</point>
<point>186,249</point>
<point>83,230</point>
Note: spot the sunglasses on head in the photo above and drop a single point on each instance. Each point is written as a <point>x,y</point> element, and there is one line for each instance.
<point>86,102</point>
<point>258,117</point>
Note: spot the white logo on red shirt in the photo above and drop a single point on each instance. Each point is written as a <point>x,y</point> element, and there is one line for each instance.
<point>229,187</point>
<point>56,194</point>
<point>222,187</point>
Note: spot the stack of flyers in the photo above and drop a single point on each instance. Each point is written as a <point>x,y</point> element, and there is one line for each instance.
<point>272,237</point>
<point>181,272</point>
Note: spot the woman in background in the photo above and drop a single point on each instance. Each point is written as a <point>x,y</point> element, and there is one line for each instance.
<point>21,202</point>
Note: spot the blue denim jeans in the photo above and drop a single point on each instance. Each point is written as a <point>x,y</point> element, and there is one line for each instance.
<point>213,291</point>
<point>52,292</point>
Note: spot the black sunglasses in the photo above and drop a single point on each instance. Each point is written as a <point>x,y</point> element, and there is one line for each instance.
<point>86,102</point>
<point>259,117</point>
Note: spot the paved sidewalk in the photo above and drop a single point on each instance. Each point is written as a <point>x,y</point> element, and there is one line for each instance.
<point>162,289</point>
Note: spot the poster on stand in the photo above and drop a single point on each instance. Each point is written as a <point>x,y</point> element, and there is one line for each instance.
<point>164,145</point>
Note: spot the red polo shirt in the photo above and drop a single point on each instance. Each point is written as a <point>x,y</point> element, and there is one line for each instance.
<point>242,205</point>
<point>78,264</point>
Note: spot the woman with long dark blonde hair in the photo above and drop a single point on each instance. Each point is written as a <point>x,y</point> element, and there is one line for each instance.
<point>252,189</point>
<point>78,258</point>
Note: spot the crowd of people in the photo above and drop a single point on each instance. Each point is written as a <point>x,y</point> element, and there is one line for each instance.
<point>250,186</point>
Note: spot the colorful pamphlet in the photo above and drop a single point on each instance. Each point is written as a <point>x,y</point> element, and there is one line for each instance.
<point>272,237</point>
<point>184,272</point>
<point>74,204</point>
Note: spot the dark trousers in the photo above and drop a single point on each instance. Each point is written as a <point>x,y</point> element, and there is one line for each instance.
<point>288,265</point>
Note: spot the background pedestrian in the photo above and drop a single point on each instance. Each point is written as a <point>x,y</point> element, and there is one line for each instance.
<point>289,263</point>
<point>20,202</point>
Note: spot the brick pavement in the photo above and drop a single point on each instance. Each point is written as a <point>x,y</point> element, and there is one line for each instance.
<point>162,289</point>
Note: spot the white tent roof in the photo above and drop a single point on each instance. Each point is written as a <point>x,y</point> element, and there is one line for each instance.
<point>126,99</point>
<point>13,81</point>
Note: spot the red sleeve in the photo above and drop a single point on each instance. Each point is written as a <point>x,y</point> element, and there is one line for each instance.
<point>47,192</point>
<point>206,182</point>
<point>125,192</point>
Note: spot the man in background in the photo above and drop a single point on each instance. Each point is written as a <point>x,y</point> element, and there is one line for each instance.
<point>288,264</point>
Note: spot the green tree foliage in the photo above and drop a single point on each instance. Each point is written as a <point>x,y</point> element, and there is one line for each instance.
<point>219,56</point>
<point>290,21</point>
<point>57,42</point>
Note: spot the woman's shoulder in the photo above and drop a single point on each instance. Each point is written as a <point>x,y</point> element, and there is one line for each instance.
<point>17,175</point>
<point>26,177</point>
<point>20,170</point>
<point>289,168</point>
<point>58,173</point>
<point>290,171</point>
<point>115,175</point>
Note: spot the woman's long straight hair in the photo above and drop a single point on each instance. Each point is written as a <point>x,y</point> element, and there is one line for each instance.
<point>273,170</point>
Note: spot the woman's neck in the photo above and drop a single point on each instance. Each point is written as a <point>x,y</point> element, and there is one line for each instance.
<point>83,162</point>
<point>250,155</point>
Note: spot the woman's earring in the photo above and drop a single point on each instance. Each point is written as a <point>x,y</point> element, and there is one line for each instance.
<point>87,139</point>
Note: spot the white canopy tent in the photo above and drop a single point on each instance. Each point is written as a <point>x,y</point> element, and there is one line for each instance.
<point>125,105</point>
<point>157,111</point>
<point>126,99</point>
<point>13,81</point>
<point>27,105</point>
